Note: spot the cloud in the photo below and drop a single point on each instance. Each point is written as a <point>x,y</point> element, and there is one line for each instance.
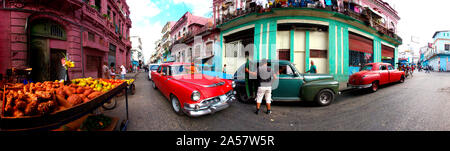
<point>149,33</point>
<point>141,13</point>
<point>199,7</point>
<point>142,10</point>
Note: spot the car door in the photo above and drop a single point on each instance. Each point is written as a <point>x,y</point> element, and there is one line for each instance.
<point>384,74</point>
<point>393,74</point>
<point>164,81</point>
<point>156,76</point>
<point>288,85</point>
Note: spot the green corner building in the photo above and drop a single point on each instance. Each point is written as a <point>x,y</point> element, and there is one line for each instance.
<point>338,44</point>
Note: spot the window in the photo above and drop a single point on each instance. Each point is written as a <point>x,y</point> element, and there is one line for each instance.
<point>383,67</point>
<point>447,47</point>
<point>367,68</point>
<point>98,5</point>
<point>91,37</point>
<point>286,70</point>
<point>360,58</point>
<point>390,67</point>
<point>164,70</point>
<point>318,53</point>
<point>159,69</point>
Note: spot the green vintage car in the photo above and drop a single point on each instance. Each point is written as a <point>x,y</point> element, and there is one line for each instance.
<point>290,86</point>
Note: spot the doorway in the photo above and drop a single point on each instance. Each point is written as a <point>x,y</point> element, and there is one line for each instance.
<point>46,62</point>
<point>57,71</point>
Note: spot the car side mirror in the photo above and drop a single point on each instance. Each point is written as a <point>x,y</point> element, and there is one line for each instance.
<point>164,74</point>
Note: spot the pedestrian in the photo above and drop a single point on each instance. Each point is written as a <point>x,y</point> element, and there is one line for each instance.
<point>265,77</point>
<point>248,82</point>
<point>123,72</point>
<point>224,68</point>
<point>112,71</point>
<point>224,71</point>
<point>106,72</point>
<point>312,69</point>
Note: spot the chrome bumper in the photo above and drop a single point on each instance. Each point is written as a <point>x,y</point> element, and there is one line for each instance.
<point>212,108</point>
<point>359,86</point>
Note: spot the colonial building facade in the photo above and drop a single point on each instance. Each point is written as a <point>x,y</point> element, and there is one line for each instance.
<point>339,38</point>
<point>437,55</point>
<point>193,38</point>
<point>38,34</point>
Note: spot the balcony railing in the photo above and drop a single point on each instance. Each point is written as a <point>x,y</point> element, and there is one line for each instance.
<point>364,15</point>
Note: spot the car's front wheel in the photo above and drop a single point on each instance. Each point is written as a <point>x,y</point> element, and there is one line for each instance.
<point>176,105</point>
<point>324,97</point>
<point>402,79</point>
<point>242,97</point>
<point>374,87</point>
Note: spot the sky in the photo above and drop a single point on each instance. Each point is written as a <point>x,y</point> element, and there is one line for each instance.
<point>149,17</point>
<point>420,19</point>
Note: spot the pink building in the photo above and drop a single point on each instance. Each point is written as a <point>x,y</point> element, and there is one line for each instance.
<point>185,30</point>
<point>89,32</point>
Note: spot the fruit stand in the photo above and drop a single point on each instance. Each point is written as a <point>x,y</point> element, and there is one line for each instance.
<point>54,110</point>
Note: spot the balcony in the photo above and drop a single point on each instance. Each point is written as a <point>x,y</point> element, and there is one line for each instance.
<point>96,44</point>
<point>94,15</point>
<point>364,17</point>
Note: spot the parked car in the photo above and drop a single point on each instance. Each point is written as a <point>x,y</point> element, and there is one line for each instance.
<point>152,68</point>
<point>373,75</point>
<point>292,86</point>
<point>191,92</point>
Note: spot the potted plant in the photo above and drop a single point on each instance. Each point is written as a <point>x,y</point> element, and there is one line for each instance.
<point>106,16</point>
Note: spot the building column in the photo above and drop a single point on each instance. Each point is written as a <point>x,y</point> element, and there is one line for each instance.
<point>307,53</point>
<point>291,44</point>
<point>332,44</point>
<point>272,40</point>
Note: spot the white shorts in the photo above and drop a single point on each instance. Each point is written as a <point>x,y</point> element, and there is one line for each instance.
<point>264,91</point>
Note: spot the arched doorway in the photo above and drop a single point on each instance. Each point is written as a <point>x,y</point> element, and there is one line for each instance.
<point>45,36</point>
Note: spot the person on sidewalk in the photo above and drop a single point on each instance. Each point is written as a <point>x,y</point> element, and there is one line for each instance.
<point>123,72</point>
<point>224,71</point>
<point>266,77</point>
<point>312,69</point>
<point>106,73</point>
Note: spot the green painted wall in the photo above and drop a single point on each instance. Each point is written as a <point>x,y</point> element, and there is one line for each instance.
<point>338,32</point>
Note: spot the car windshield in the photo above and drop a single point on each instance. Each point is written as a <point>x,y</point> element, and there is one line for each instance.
<point>182,70</point>
<point>154,67</point>
<point>367,68</point>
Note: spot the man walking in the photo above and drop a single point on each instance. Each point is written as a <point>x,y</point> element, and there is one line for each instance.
<point>312,69</point>
<point>123,72</point>
<point>266,77</point>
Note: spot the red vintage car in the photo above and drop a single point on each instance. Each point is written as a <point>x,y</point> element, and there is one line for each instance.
<point>373,75</point>
<point>190,92</point>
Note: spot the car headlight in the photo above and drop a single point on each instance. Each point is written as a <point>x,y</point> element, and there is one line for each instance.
<point>233,84</point>
<point>195,96</point>
<point>365,76</point>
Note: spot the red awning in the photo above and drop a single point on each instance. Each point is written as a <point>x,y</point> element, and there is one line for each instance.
<point>361,44</point>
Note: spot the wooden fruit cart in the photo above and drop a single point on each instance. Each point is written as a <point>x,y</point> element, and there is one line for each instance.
<point>57,119</point>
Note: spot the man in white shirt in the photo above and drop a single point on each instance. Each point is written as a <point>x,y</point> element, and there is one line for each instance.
<point>123,72</point>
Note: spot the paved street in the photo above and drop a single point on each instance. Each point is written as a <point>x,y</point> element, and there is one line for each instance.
<point>421,103</point>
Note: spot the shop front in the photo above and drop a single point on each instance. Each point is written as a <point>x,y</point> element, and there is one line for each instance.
<point>387,54</point>
<point>48,45</point>
<point>360,52</point>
